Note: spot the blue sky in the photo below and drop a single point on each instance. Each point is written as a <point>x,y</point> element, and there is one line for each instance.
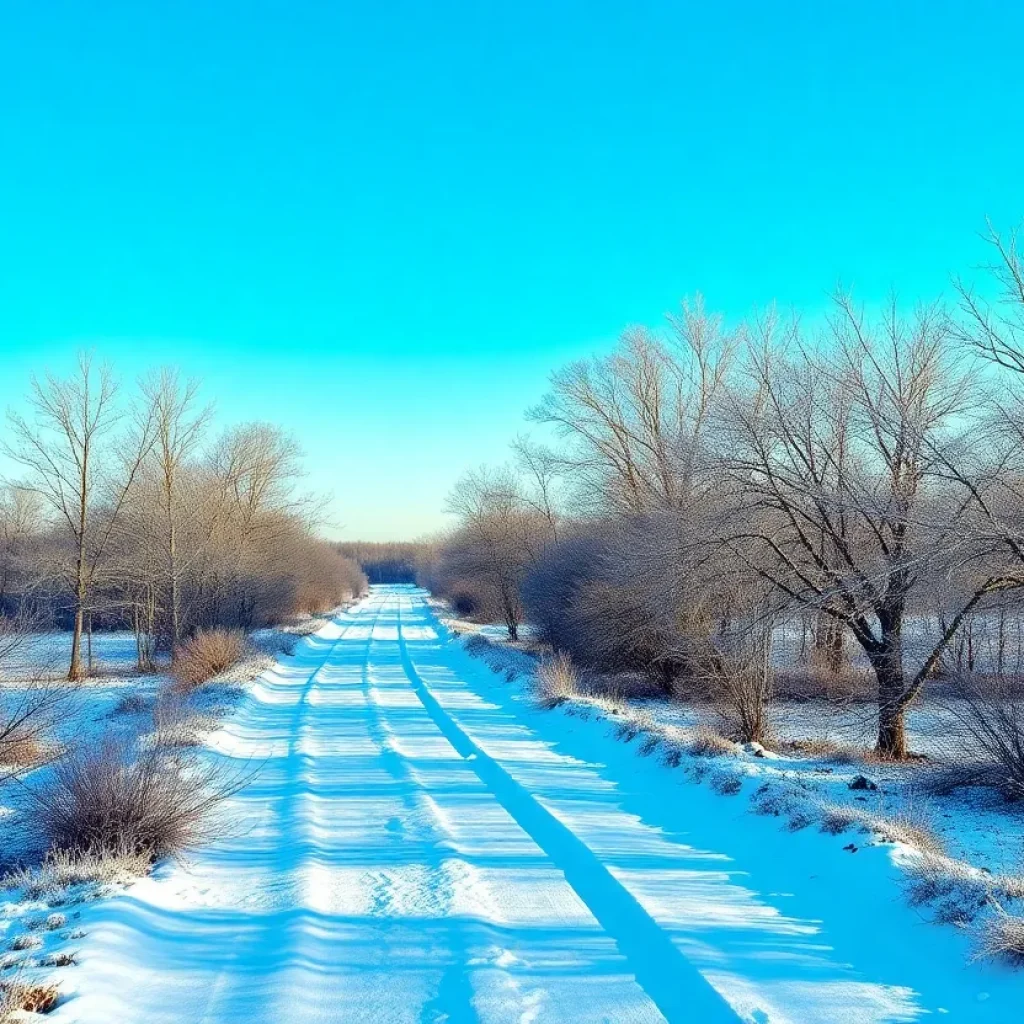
<point>383,224</point>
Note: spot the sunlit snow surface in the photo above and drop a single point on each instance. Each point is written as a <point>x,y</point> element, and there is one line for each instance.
<point>420,844</point>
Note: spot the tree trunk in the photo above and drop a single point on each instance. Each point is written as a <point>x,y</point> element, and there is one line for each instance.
<point>892,734</point>
<point>75,671</point>
<point>829,650</point>
<point>172,568</point>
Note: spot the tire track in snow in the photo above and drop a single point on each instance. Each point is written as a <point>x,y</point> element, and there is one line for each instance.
<point>674,985</point>
<point>290,827</point>
<point>453,997</point>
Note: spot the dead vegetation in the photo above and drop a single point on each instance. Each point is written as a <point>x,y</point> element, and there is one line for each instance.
<point>824,749</point>
<point>18,997</point>
<point>62,870</point>
<point>118,797</point>
<point>1002,936</point>
<point>205,655</point>
<point>557,681</point>
<point>908,825</point>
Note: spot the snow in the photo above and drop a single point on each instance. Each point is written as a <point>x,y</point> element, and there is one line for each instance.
<point>423,844</point>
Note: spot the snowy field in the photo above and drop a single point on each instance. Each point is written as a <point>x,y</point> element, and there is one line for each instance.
<point>423,844</point>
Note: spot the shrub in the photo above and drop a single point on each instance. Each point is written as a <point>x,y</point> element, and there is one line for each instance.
<point>907,826</point>
<point>116,798</point>
<point>993,718</point>
<point>726,783</point>
<point>706,742</point>
<point>206,655</point>
<point>17,997</point>
<point>62,870</point>
<point>129,704</point>
<point>557,681</point>
<point>1003,937</point>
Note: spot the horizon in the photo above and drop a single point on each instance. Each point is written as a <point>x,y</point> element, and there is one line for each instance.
<point>384,229</point>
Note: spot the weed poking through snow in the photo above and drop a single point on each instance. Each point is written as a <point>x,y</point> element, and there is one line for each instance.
<point>557,681</point>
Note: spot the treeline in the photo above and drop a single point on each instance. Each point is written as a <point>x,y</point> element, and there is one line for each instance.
<point>714,486</point>
<point>386,561</point>
<point>131,512</point>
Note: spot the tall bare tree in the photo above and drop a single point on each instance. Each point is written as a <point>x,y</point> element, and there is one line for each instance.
<point>840,457</point>
<point>179,423</point>
<point>80,467</point>
<point>19,523</point>
<point>635,422</point>
<point>995,326</point>
<point>499,538</point>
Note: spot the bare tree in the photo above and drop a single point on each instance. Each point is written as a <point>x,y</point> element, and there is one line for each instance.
<point>541,468</point>
<point>635,422</point>
<point>30,710</point>
<point>500,536</point>
<point>19,524</point>
<point>839,456</point>
<point>995,328</point>
<point>178,426</point>
<point>75,464</point>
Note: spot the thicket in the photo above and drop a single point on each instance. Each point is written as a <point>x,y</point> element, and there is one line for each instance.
<point>131,511</point>
<point>720,505</point>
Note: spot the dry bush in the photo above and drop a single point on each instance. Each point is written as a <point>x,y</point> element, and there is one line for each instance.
<point>18,997</point>
<point>726,783</point>
<point>129,704</point>
<point>992,718</point>
<point>557,680</point>
<point>205,655</point>
<point>814,682</point>
<point>740,686</point>
<point>907,825</point>
<point>23,752</point>
<point>1002,936</point>
<point>117,797</point>
<point>706,742</point>
<point>827,750</point>
<point>62,870</point>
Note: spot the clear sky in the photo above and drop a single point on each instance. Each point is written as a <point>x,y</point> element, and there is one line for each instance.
<point>382,223</point>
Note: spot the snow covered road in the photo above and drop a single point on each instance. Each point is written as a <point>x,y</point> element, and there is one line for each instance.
<point>413,850</point>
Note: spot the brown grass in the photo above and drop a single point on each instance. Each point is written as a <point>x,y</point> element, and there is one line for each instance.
<point>908,825</point>
<point>205,655</point>
<point>828,750</point>
<point>557,681</point>
<point>706,742</point>
<point>1002,937</point>
<point>26,997</point>
<point>23,751</point>
<point>61,871</point>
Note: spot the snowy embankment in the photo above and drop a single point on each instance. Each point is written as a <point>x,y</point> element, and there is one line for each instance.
<point>43,907</point>
<point>424,844</point>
